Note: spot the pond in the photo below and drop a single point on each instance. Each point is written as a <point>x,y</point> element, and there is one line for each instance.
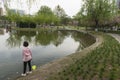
<point>46,46</point>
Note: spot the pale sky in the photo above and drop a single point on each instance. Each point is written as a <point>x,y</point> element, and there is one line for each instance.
<point>71,7</point>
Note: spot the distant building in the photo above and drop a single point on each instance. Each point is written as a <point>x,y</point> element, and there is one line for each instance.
<point>1,11</point>
<point>118,3</point>
<point>21,12</point>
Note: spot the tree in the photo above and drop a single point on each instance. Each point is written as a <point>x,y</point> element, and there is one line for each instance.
<point>45,10</point>
<point>46,16</point>
<point>13,16</point>
<point>97,13</point>
<point>60,13</point>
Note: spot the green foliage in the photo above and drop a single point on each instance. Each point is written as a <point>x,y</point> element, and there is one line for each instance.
<point>27,18</point>
<point>13,16</point>
<point>46,16</point>
<point>101,63</point>
<point>45,10</point>
<point>97,13</point>
<point>60,13</point>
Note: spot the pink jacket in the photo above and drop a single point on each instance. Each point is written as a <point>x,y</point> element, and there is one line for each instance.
<point>27,54</point>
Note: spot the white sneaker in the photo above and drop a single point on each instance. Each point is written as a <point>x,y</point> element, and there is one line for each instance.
<point>29,72</point>
<point>23,74</point>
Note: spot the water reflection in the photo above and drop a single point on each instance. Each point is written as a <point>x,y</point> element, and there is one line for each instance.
<point>45,45</point>
<point>47,37</point>
<point>37,38</point>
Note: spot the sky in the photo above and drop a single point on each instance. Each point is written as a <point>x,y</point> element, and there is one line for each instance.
<point>71,7</point>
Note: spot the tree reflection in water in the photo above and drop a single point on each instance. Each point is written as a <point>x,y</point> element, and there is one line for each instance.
<point>45,38</point>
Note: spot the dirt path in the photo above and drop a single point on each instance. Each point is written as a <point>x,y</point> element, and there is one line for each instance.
<point>116,36</point>
<point>44,71</point>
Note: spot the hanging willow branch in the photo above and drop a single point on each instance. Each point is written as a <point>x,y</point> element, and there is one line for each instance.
<point>8,2</point>
<point>30,3</point>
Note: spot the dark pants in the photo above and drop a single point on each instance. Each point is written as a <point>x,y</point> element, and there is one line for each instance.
<point>25,66</point>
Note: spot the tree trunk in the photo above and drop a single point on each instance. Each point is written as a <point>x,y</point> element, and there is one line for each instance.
<point>96,25</point>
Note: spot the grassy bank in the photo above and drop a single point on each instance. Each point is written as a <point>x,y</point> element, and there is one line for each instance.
<point>103,63</point>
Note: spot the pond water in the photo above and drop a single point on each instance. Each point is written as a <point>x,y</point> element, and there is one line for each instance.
<point>46,46</point>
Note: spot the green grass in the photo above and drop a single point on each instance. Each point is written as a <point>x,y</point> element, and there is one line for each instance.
<point>103,63</point>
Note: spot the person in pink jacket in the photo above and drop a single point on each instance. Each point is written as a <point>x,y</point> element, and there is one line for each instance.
<point>27,57</point>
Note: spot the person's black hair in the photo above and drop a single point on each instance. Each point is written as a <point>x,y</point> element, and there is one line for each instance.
<point>25,44</point>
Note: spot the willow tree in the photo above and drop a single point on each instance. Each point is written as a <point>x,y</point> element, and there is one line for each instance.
<point>7,4</point>
<point>97,12</point>
<point>15,16</point>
